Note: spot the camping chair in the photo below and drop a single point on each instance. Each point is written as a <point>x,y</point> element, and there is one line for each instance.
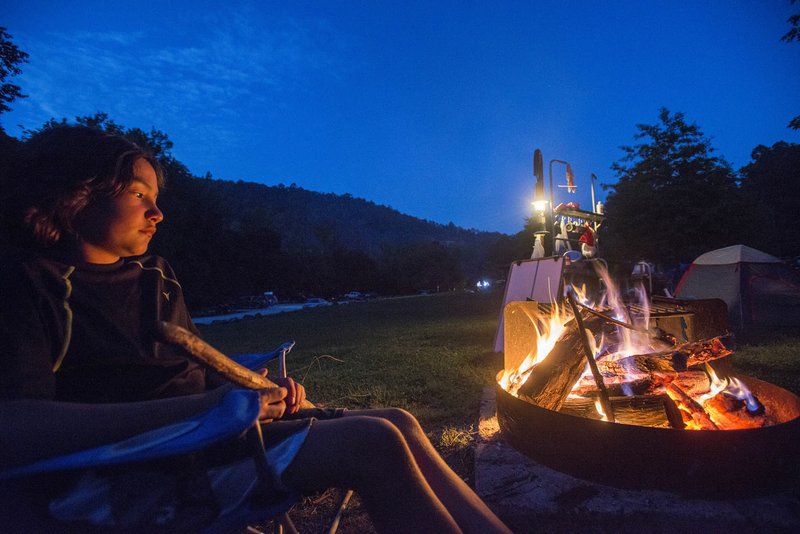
<point>234,415</point>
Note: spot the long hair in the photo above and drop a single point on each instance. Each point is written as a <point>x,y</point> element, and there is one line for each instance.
<point>63,170</point>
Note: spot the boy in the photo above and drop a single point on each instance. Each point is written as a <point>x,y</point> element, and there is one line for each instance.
<point>80,298</point>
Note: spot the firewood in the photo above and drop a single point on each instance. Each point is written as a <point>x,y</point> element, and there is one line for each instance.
<point>552,379</point>
<point>731,413</point>
<point>674,361</point>
<point>665,362</point>
<point>688,405</point>
<point>693,382</point>
<point>616,387</point>
<point>700,352</point>
<point>641,410</point>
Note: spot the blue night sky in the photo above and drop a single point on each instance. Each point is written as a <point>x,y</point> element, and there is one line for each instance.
<point>433,108</point>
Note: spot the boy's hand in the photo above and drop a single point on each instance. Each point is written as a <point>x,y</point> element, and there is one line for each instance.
<point>295,393</point>
<point>273,405</point>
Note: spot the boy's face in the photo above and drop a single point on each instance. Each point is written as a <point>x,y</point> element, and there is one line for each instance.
<point>123,225</point>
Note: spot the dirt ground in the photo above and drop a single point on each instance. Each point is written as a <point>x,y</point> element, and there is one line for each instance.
<point>314,513</point>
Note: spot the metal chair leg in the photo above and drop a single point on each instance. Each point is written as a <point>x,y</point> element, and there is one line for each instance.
<point>339,512</point>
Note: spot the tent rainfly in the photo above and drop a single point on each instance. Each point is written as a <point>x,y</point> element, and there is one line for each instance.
<point>759,289</point>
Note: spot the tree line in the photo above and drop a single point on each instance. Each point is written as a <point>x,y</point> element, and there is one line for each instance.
<point>675,198</point>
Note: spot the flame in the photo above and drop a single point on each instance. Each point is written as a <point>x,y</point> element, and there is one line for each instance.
<point>548,331</point>
<point>717,385</point>
<point>731,386</point>
<point>743,393</point>
<point>599,407</point>
<point>632,342</point>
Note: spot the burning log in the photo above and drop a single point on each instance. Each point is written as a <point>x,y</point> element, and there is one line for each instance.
<point>589,352</point>
<point>665,362</point>
<point>642,410</point>
<point>699,352</point>
<point>553,378</point>
<point>616,387</point>
<point>693,383</point>
<point>669,362</point>
<point>732,413</point>
<point>694,412</point>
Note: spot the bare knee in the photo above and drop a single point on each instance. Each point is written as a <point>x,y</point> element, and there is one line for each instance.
<point>356,452</point>
<point>378,447</point>
<point>400,418</point>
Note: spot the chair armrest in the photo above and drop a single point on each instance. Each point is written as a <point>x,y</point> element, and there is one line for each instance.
<point>257,360</point>
<point>236,411</point>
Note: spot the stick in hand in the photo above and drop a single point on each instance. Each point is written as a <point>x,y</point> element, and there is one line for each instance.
<point>206,355</point>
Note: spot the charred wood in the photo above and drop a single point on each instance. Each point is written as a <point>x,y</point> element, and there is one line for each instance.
<point>615,387</point>
<point>732,413</point>
<point>699,352</point>
<point>641,410</point>
<point>675,361</point>
<point>693,383</point>
<point>694,412</point>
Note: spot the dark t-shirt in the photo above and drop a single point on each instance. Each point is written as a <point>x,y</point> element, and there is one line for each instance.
<point>83,332</point>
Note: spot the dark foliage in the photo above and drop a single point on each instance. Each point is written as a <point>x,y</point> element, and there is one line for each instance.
<point>10,59</point>
<point>674,199</point>
<point>793,35</point>
<point>771,187</point>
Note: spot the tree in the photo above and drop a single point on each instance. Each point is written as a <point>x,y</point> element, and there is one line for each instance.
<point>674,199</point>
<point>10,59</point>
<point>793,35</point>
<point>420,266</point>
<point>771,187</point>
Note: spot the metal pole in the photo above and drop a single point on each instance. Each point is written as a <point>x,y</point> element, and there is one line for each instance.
<point>552,204</point>
<point>587,348</point>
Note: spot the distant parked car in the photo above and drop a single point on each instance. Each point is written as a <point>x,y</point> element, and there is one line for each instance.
<point>264,300</point>
<point>313,302</point>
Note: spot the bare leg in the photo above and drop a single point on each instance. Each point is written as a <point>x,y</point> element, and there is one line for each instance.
<point>469,511</point>
<point>370,455</point>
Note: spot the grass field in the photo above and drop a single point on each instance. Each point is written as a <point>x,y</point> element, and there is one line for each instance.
<point>431,355</point>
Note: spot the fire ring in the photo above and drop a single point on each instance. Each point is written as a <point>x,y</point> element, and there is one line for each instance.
<point>694,463</point>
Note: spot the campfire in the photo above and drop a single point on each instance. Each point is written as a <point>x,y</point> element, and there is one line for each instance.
<point>583,362</point>
<point>599,360</point>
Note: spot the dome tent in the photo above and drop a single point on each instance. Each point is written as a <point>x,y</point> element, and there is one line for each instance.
<point>758,288</point>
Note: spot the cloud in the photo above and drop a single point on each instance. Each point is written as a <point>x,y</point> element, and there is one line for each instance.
<point>223,70</point>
